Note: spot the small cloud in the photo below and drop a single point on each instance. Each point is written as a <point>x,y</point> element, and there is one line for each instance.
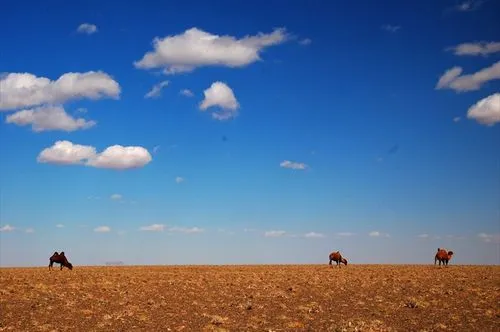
<point>314,235</point>
<point>156,90</point>
<point>274,233</point>
<point>179,179</point>
<point>156,149</point>
<point>87,28</point>
<point>221,95</point>
<point>380,159</point>
<point>82,110</point>
<point>185,230</point>
<point>7,228</point>
<point>102,229</point>
<point>489,238</point>
<point>116,197</point>
<point>390,28</point>
<point>305,42</point>
<point>454,80</point>
<point>249,230</point>
<point>30,230</point>
<point>456,119</point>
<point>345,234</point>
<point>225,231</point>
<point>487,110</point>
<point>293,165</point>
<point>482,48</point>
<point>59,225</point>
<point>187,93</point>
<point>469,5</point>
<point>153,228</point>
<point>378,234</point>
<point>423,236</point>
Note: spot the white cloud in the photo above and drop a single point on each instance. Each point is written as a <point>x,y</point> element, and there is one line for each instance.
<point>187,93</point>
<point>314,235</point>
<point>378,234</point>
<point>114,157</point>
<point>274,233</point>
<point>305,41</point>
<point>423,236</point>
<point>391,28</point>
<point>102,229</point>
<point>7,228</point>
<point>196,48</point>
<point>121,157</point>
<point>190,230</point>
<point>468,5</point>
<point>451,79</point>
<point>48,118</point>
<point>156,90</point>
<point>293,165</point>
<point>66,153</point>
<point>179,179</point>
<point>221,95</point>
<point>490,238</point>
<point>479,48</point>
<point>87,28</point>
<point>59,225</point>
<point>116,197</point>
<point>344,234</point>
<point>486,111</point>
<point>30,230</point>
<point>153,228</point>
<point>456,119</point>
<point>19,90</point>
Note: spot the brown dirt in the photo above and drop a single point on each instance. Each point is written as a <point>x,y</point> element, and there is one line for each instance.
<point>242,298</point>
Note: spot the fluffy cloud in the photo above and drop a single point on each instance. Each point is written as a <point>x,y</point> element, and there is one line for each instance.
<point>486,111</point>
<point>179,179</point>
<point>185,230</point>
<point>121,157</point>
<point>196,48</point>
<point>59,225</point>
<point>314,235</point>
<point>480,48</point>
<point>87,28</point>
<point>451,79</point>
<point>102,229</point>
<point>48,118</point>
<point>114,157</point>
<point>25,90</point>
<point>156,90</point>
<point>293,165</point>
<point>344,234</point>
<point>116,197</point>
<point>7,228</point>
<point>153,228</point>
<point>187,93</point>
<point>274,233</point>
<point>221,95</point>
<point>30,230</point>
<point>469,5</point>
<point>423,236</point>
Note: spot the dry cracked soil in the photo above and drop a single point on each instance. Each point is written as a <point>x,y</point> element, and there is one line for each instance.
<point>251,298</point>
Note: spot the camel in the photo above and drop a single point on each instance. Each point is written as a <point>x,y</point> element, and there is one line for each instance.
<point>443,256</point>
<point>61,259</point>
<point>337,257</point>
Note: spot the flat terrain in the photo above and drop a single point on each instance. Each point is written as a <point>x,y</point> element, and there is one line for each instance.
<point>243,298</point>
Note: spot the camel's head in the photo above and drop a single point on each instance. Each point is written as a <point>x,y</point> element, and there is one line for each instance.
<point>344,261</point>
<point>70,266</point>
<point>450,253</point>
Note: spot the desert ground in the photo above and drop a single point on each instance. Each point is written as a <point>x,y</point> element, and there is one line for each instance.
<point>246,298</point>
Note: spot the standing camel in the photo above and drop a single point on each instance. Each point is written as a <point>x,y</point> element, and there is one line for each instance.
<point>337,257</point>
<point>442,256</point>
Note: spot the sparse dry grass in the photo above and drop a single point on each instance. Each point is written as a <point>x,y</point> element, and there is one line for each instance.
<point>242,298</point>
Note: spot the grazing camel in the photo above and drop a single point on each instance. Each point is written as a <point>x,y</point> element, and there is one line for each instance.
<point>61,259</point>
<point>337,257</point>
<point>442,256</point>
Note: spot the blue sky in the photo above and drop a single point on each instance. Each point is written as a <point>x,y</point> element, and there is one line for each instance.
<point>249,133</point>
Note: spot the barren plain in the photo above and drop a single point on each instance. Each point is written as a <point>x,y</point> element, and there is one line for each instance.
<point>247,298</point>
